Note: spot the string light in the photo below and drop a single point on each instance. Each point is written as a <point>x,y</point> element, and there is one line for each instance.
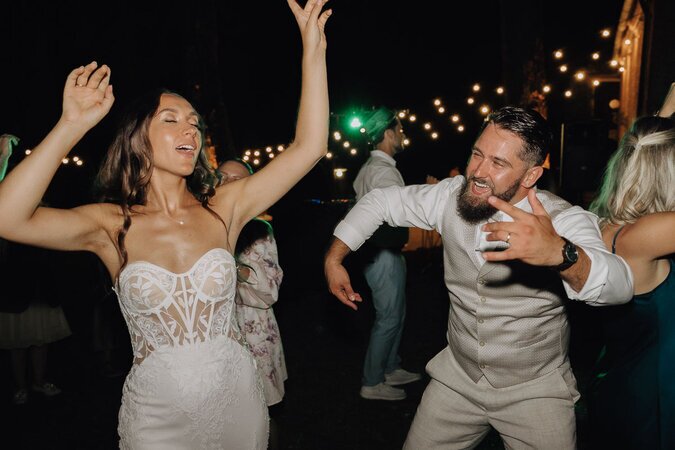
<point>339,173</point>
<point>79,162</point>
<point>280,148</point>
<point>246,158</point>
<point>65,161</point>
<point>247,153</point>
<point>28,152</point>
<point>256,153</point>
<point>455,119</point>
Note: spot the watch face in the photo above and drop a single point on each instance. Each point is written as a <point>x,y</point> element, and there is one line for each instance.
<point>570,252</point>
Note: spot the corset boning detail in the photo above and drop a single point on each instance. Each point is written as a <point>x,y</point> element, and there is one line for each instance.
<point>163,309</point>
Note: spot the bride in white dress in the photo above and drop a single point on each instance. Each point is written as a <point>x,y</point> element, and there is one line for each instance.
<point>166,236</point>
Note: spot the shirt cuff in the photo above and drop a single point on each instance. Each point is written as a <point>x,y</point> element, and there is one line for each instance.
<point>349,235</point>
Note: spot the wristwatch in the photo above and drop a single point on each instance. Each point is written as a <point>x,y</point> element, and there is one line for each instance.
<point>570,255</point>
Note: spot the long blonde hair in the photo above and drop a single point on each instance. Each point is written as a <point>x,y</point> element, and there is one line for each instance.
<point>640,175</point>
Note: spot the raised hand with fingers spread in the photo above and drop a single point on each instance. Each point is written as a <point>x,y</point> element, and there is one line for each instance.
<point>87,95</point>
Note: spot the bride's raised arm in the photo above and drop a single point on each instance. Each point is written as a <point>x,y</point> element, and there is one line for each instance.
<point>256,193</point>
<point>87,98</point>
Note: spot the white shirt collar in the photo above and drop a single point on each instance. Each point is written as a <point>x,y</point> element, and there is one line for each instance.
<point>381,154</point>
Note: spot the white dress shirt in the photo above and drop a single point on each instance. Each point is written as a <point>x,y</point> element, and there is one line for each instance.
<point>378,172</point>
<point>609,282</point>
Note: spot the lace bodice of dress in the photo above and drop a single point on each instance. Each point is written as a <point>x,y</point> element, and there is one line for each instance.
<point>165,309</point>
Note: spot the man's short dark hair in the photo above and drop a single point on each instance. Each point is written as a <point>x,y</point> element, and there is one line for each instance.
<point>529,126</point>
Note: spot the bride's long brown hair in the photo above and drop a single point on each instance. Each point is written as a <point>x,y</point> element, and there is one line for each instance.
<point>125,172</point>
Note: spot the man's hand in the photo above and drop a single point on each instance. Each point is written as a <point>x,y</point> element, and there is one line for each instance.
<point>531,237</point>
<point>340,286</point>
<point>337,277</point>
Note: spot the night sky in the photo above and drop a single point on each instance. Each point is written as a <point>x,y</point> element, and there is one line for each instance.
<point>246,56</point>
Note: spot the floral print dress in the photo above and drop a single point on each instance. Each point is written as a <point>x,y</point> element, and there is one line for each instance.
<point>255,316</point>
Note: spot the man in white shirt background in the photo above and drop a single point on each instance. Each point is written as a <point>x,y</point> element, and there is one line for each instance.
<point>385,272</point>
<point>507,247</point>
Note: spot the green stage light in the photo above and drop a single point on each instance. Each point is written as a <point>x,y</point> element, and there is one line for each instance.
<point>355,122</point>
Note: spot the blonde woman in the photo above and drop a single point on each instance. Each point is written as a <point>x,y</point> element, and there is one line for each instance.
<point>633,398</point>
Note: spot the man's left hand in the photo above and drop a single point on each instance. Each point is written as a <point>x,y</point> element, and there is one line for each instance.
<point>531,237</point>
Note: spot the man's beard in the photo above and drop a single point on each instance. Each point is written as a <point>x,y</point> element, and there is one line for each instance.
<point>475,210</point>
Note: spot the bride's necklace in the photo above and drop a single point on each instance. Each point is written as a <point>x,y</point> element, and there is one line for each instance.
<point>179,222</point>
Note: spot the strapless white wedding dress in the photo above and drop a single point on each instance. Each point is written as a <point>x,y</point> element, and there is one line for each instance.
<point>193,384</point>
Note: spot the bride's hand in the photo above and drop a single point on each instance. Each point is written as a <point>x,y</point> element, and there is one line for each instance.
<point>87,96</point>
<point>311,22</point>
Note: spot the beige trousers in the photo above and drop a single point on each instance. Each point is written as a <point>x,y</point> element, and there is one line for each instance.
<point>537,414</point>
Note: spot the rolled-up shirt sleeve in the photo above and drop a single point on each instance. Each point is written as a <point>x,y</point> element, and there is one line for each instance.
<point>610,281</point>
<point>418,206</point>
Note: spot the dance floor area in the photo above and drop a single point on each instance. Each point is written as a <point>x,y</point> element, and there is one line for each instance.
<point>324,342</point>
